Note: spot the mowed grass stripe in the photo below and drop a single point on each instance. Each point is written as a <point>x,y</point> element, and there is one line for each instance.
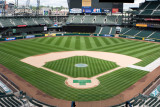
<point>77,43</point>
<point>73,42</point>
<point>112,48</point>
<point>41,39</point>
<point>148,59</point>
<point>83,44</point>
<point>129,49</point>
<point>92,41</point>
<point>35,39</point>
<point>144,49</point>
<point>46,40</point>
<point>62,43</point>
<point>58,42</point>
<point>95,66</point>
<point>114,40</point>
<point>11,52</point>
<point>19,50</point>
<point>44,47</point>
<point>87,42</point>
<point>97,42</point>
<point>58,48</point>
<point>24,46</point>
<point>68,42</point>
<point>51,39</point>
<point>151,52</point>
<point>103,41</point>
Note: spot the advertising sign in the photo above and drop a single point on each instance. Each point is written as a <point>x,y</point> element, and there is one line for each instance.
<point>45,13</point>
<point>75,10</point>
<point>30,36</point>
<point>150,40</point>
<point>45,28</point>
<point>105,11</point>
<point>105,35</point>
<point>115,10</point>
<point>96,11</point>
<point>130,37</point>
<point>86,9</point>
<point>141,25</point>
<point>9,39</point>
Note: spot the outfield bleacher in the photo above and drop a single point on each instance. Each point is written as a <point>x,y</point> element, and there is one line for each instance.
<point>106,30</point>
<point>132,32</point>
<point>77,19</point>
<point>111,19</point>
<point>69,20</point>
<point>99,19</point>
<point>155,35</point>
<point>97,30</point>
<point>95,19</point>
<point>113,30</point>
<point>13,22</point>
<point>88,19</point>
<point>145,33</point>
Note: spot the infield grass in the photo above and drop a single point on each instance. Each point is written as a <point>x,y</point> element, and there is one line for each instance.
<point>67,66</point>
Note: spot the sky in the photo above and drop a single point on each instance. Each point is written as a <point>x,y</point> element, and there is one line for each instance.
<point>57,3</point>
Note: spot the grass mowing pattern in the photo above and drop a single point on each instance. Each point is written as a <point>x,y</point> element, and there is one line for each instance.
<point>112,84</point>
<point>67,66</point>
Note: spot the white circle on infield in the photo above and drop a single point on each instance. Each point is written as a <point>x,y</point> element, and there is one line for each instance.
<point>81,65</point>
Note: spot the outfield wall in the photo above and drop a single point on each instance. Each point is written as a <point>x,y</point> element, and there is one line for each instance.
<point>78,34</point>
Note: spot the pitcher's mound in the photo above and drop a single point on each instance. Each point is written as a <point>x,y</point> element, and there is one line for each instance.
<point>82,83</point>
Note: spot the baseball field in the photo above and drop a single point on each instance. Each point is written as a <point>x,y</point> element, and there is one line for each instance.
<point>53,83</point>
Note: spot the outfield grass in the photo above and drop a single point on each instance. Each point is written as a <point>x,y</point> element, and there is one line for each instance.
<point>67,66</point>
<point>112,84</point>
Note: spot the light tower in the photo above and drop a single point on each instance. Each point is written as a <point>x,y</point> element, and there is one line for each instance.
<point>16,3</point>
<point>38,7</point>
<point>28,3</point>
<point>3,7</point>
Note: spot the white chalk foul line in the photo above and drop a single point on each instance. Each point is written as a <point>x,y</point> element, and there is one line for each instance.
<point>150,67</point>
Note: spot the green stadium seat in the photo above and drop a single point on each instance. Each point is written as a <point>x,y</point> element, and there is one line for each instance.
<point>100,19</point>
<point>88,19</point>
<point>106,30</point>
<point>77,19</point>
<point>97,29</point>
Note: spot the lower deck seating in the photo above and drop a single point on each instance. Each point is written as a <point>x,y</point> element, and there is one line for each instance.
<point>145,33</point>
<point>141,33</point>
<point>13,22</point>
<point>113,30</point>
<point>156,35</point>
<point>98,29</point>
<point>142,100</point>
<point>106,30</point>
<point>132,32</point>
<point>39,104</point>
<point>10,101</point>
